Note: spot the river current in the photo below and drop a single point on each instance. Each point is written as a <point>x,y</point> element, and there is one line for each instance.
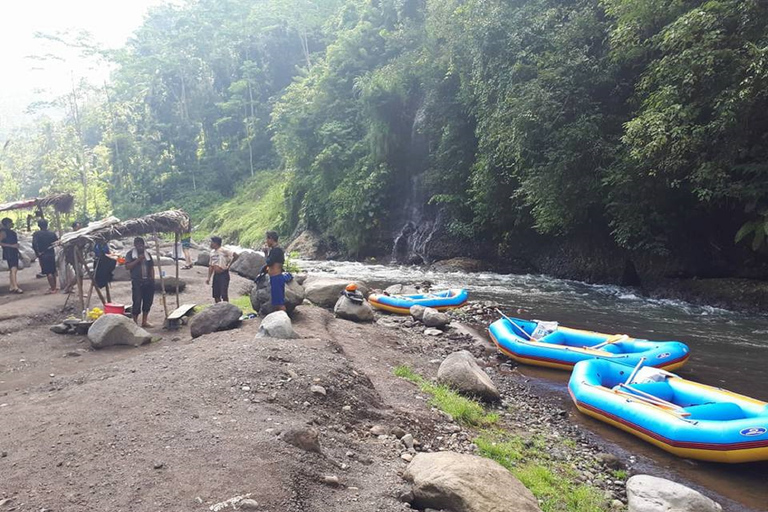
<point>728,349</point>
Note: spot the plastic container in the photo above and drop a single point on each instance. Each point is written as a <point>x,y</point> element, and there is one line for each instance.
<point>114,309</point>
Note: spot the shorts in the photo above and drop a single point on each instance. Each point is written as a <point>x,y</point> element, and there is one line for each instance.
<point>277,285</point>
<point>143,296</point>
<point>11,256</point>
<point>48,263</point>
<point>186,243</point>
<point>221,286</point>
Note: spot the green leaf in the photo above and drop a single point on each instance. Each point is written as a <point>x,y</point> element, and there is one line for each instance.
<point>758,240</point>
<point>746,229</point>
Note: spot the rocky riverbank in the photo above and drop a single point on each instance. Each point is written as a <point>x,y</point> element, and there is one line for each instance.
<point>326,421</point>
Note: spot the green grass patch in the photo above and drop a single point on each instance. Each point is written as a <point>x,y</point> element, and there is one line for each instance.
<point>553,483</point>
<point>461,409</point>
<point>244,303</point>
<point>619,474</point>
<point>258,207</point>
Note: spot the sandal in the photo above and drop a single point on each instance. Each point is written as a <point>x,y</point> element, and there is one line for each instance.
<point>18,290</point>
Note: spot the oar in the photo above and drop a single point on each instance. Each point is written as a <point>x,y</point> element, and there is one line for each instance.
<point>613,339</point>
<point>642,394</point>
<point>513,323</point>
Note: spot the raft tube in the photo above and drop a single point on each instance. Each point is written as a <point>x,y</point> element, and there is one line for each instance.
<point>401,304</point>
<point>680,416</point>
<point>564,347</point>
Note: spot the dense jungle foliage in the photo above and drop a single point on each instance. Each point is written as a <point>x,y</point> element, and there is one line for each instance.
<point>643,119</point>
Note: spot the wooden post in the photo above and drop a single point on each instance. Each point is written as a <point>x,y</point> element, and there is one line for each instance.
<point>109,296</point>
<point>160,270</point>
<point>176,259</point>
<point>92,277</point>
<point>79,274</point>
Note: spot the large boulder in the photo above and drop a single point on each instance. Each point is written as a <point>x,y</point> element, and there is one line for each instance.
<point>309,245</point>
<point>219,317</point>
<point>403,289</point>
<point>170,285</point>
<point>249,264</point>
<point>203,258</point>
<point>276,325</point>
<point>433,318</point>
<point>109,330</point>
<point>26,253</point>
<point>324,291</point>
<point>647,493</point>
<point>261,296</point>
<point>349,310</point>
<point>466,483</point>
<point>458,265</point>
<point>460,372</point>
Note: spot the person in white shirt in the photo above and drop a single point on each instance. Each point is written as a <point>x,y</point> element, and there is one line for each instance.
<point>218,268</point>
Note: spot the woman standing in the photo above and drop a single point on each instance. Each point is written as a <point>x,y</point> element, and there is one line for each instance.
<point>9,241</point>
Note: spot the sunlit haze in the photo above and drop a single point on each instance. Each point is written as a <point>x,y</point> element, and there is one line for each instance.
<point>25,80</point>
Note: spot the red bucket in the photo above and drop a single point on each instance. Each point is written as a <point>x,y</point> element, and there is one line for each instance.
<point>114,309</point>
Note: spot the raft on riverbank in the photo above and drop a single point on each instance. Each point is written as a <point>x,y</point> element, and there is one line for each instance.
<point>682,417</point>
<point>530,342</point>
<point>401,304</point>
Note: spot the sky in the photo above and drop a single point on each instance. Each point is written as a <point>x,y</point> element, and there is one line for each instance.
<point>23,80</point>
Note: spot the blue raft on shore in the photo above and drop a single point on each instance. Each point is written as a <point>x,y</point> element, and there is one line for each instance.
<point>682,417</point>
<point>554,346</point>
<point>401,304</point>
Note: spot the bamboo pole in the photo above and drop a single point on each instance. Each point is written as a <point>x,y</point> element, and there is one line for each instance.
<point>92,277</point>
<point>79,274</point>
<point>160,270</point>
<point>176,259</point>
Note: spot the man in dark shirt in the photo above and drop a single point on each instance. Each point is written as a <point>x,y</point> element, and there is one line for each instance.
<point>42,243</point>
<point>9,241</point>
<point>142,267</point>
<point>275,261</point>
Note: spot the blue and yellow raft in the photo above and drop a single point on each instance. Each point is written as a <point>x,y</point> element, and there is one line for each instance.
<point>401,304</point>
<point>682,417</point>
<point>554,346</point>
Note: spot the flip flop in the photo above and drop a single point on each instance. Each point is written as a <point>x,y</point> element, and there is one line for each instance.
<point>18,290</point>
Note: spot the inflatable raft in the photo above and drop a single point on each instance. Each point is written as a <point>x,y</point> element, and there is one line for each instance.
<point>682,417</point>
<point>401,304</point>
<point>554,346</point>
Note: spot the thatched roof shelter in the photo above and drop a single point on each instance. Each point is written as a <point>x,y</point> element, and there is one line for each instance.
<point>62,203</point>
<point>171,221</point>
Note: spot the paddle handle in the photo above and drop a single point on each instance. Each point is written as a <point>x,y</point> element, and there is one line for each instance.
<point>530,338</point>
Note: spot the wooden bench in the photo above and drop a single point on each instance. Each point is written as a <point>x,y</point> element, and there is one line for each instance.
<point>174,320</point>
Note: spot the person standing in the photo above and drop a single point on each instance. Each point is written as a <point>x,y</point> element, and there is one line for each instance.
<point>42,243</point>
<point>9,241</point>
<point>142,267</point>
<point>274,267</point>
<point>218,267</point>
<point>186,245</point>
<point>105,263</point>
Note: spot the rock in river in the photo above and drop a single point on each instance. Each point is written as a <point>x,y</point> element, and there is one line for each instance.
<point>249,264</point>
<point>111,330</point>
<point>324,291</point>
<point>219,317</point>
<point>460,372</point>
<point>466,483</point>
<point>652,494</point>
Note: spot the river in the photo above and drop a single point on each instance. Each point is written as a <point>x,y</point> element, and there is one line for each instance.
<point>728,349</point>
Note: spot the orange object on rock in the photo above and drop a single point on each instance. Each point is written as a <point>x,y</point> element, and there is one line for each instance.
<point>351,287</point>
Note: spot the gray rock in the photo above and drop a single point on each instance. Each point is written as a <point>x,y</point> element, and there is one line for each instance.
<point>651,494</point>
<point>460,372</point>
<point>324,291</point>
<point>318,390</point>
<point>407,441</point>
<point>305,438</point>
<point>170,285</point>
<point>203,259</point>
<point>111,330</point>
<point>331,480</point>
<point>466,483</point>
<point>379,430</point>
<point>433,332</point>
<point>417,312</point>
<point>219,317</point>
<point>276,325</point>
<point>248,504</point>
<point>464,265</point>
<point>433,318</point>
<point>309,245</point>
<point>261,296</point>
<point>60,329</point>
<point>249,264</point>
<point>349,310</point>
<point>609,460</point>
